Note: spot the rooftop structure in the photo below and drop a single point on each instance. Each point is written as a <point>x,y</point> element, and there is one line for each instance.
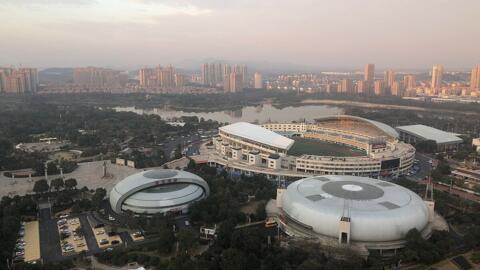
<point>259,134</point>
<point>416,133</point>
<point>376,213</point>
<point>158,191</point>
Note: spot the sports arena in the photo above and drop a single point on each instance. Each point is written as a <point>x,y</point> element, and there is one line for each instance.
<point>333,145</point>
<point>158,191</point>
<point>352,210</point>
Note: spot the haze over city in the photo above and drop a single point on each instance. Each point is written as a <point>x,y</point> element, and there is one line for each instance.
<point>310,34</point>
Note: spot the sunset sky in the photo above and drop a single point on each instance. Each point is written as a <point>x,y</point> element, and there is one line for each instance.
<point>312,33</point>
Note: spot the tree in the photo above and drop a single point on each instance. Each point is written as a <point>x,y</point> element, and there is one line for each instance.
<point>186,240</point>
<point>178,151</point>
<point>40,186</point>
<point>71,183</point>
<point>57,183</point>
<point>166,239</point>
<point>98,196</point>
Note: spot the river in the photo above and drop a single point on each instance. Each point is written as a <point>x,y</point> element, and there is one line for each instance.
<point>253,114</point>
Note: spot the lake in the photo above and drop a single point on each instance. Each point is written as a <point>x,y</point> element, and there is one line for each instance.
<point>259,114</point>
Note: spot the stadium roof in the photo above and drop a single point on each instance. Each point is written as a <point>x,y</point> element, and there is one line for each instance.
<point>381,126</point>
<point>430,133</point>
<point>379,210</point>
<point>258,134</point>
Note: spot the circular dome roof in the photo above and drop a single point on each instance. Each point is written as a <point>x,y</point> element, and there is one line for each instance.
<point>378,210</point>
<point>157,191</point>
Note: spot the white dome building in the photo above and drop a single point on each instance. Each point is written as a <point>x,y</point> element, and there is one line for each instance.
<point>158,191</point>
<point>354,209</point>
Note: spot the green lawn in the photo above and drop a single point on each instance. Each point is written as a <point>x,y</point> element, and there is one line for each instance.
<point>319,148</point>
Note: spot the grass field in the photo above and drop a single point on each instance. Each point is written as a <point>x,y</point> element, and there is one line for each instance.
<point>315,147</point>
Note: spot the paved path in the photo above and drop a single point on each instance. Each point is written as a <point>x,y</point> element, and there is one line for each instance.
<point>88,174</point>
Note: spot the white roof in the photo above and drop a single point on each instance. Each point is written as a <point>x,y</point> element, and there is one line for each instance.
<point>379,210</point>
<point>258,134</point>
<point>430,133</point>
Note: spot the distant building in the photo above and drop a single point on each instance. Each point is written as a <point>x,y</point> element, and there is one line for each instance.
<point>369,73</point>
<point>258,81</point>
<point>389,77</point>
<point>396,89</point>
<point>22,80</point>
<point>346,86</point>
<point>379,88</point>
<point>165,77</point>
<point>417,133</point>
<point>236,82</point>
<point>99,77</point>
<point>475,78</point>
<point>409,82</point>
<point>180,80</point>
<point>362,87</point>
<point>437,77</point>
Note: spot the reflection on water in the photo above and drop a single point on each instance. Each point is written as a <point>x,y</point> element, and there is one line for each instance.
<point>253,114</point>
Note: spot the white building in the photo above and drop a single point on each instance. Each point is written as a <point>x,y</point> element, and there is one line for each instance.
<point>247,148</point>
<point>158,191</point>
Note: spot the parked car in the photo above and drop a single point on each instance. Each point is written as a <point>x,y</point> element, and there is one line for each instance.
<point>103,242</point>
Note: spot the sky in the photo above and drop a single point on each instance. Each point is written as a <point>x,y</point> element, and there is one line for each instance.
<point>323,34</point>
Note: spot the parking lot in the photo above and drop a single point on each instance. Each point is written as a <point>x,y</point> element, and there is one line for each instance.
<point>72,240</point>
<point>105,238</point>
<point>27,247</point>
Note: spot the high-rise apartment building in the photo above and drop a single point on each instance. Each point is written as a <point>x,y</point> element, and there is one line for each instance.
<point>437,76</point>
<point>389,77</point>
<point>20,80</point>
<point>205,74</point>
<point>361,87</point>
<point>369,73</point>
<point>409,82</point>
<point>475,78</point>
<point>180,80</point>
<point>99,77</point>
<point>258,81</point>
<point>236,82</point>
<point>379,88</point>
<point>369,76</point>
<point>396,89</point>
<point>346,86</point>
<point>165,77</point>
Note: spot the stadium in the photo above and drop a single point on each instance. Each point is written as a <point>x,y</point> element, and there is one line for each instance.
<point>333,145</point>
<point>358,211</point>
<point>158,191</point>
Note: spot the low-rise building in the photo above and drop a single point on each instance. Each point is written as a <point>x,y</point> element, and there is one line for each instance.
<point>414,134</point>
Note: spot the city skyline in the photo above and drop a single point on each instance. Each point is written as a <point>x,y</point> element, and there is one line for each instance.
<point>133,33</point>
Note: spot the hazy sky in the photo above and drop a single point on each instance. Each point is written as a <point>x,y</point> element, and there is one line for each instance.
<point>314,33</point>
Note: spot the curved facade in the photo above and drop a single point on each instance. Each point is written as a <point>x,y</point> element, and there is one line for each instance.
<point>158,191</point>
<point>367,210</point>
<point>250,148</point>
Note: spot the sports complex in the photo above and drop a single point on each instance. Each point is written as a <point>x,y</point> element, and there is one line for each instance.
<point>332,145</point>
